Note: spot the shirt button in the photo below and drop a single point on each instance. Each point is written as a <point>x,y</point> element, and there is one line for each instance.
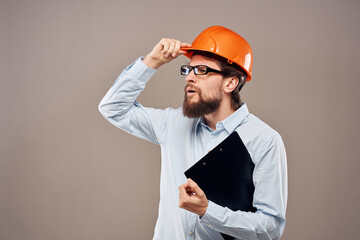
<point>191,233</point>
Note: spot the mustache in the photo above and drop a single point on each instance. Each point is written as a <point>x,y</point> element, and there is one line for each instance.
<point>192,86</point>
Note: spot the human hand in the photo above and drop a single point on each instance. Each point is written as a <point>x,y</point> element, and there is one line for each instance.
<point>164,51</point>
<point>192,198</point>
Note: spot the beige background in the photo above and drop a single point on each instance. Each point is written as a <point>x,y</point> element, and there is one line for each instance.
<point>67,174</point>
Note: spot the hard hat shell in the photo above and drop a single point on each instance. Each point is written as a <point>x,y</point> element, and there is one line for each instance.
<point>225,43</point>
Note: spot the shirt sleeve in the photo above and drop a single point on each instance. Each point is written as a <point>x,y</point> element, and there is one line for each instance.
<point>120,108</point>
<point>270,198</point>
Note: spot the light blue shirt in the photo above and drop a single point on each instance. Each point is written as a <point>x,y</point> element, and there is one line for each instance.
<point>183,142</point>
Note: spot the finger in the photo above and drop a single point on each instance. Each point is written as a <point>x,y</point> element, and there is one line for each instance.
<point>184,44</point>
<point>182,51</point>
<point>183,189</point>
<point>171,48</point>
<point>195,188</point>
<point>165,45</point>
<point>183,195</point>
<point>176,49</point>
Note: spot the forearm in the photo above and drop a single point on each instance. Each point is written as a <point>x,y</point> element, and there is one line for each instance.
<point>244,225</point>
<point>120,108</point>
<point>123,93</point>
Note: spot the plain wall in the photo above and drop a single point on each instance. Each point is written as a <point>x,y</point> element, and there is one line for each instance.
<point>66,173</point>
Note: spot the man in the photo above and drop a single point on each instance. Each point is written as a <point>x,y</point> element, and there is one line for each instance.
<point>220,65</point>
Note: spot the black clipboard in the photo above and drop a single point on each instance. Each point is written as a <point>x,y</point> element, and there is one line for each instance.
<point>225,175</point>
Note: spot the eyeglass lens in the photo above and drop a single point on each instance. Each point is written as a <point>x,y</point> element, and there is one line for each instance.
<point>198,70</point>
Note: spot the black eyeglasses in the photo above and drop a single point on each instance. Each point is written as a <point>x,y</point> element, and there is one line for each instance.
<point>198,70</point>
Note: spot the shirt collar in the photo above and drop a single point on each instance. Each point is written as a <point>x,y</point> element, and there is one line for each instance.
<point>231,122</point>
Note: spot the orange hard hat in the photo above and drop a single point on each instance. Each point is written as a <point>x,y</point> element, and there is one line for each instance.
<point>225,43</point>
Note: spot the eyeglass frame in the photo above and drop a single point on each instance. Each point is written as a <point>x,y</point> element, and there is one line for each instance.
<point>208,69</point>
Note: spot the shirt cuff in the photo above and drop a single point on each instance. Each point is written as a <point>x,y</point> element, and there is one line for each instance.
<point>140,70</point>
<point>137,72</point>
<point>213,216</point>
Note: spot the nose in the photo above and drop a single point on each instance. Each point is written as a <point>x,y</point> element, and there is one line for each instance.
<point>191,77</point>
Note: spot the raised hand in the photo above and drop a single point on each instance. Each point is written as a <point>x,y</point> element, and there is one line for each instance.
<point>164,51</point>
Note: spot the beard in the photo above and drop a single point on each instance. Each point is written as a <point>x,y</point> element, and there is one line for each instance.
<point>202,106</point>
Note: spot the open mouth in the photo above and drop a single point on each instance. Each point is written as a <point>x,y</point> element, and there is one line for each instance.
<point>191,90</point>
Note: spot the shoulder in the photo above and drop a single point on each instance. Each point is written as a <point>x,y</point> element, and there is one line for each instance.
<point>255,127</point>
<point>258,136</point>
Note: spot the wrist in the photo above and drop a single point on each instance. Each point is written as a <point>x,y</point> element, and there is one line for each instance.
<point>204,209</point>
<point>151,62</point>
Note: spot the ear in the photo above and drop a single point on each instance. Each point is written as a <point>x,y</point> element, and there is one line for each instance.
<point>230,84</point>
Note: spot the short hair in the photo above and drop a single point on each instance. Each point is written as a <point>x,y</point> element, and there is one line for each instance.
<point>228,70</point>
